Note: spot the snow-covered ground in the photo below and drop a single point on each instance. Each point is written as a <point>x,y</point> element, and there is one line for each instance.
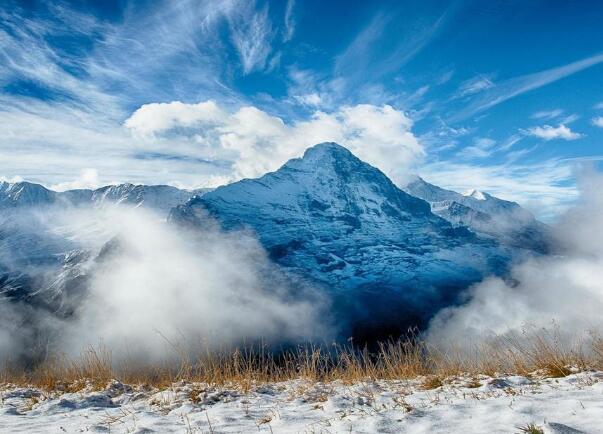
<point>504,404</point>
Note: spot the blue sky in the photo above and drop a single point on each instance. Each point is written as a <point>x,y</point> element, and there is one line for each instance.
<point>505,96</point>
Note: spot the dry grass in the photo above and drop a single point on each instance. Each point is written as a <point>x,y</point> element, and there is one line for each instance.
<point>539,352</point>
<point>531,429</point>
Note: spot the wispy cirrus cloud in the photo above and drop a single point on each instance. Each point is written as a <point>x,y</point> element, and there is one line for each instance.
<point>547,114</point>
<point>84,88</point>
<point>289,21</point>
<point>360,59</point>
<point>548,132</point>
<point>510,88</point>
<point>482,147</point>
<point>475,85</point>
<point>252,34</point>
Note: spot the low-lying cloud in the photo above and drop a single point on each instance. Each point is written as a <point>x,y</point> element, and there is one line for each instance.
<point>156,288</point>
<point>563,291</point>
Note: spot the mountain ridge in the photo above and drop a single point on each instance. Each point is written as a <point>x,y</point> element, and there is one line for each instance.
<point>505,221</point>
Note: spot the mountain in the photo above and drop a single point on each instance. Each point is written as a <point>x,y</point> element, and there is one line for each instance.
<point>20,194</point>
<point>42,262</point>
<point>505,221</point>
<point>386,259</point>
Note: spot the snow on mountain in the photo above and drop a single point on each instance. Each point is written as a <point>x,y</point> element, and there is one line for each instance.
<point>475,194</point>
<point>483,213</point>
<point>24,194</point>
<point>333,219</point>
<point>160,198</point>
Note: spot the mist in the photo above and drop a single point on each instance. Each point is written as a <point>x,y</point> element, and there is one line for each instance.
<point>561,293</point>
<point>153,289</point>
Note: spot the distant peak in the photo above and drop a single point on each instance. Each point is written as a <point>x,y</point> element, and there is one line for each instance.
<point>475,194</point>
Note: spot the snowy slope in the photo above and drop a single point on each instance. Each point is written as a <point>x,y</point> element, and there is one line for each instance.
<point>338,221</point>
<point>483,213</point>
<point>504,404</point>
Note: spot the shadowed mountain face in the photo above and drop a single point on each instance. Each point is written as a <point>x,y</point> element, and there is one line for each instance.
<point>386,259</point>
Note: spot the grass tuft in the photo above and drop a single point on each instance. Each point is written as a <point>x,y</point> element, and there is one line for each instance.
<point>531,429</point>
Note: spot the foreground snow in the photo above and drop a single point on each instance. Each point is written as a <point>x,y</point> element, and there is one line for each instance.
<point>567,405</point>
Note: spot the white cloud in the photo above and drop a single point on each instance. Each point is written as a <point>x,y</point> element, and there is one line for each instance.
<point>482,147</point>
<point>251,34</point>
<point>598,121</point>
<point>194,289</point>
<point>258,142</point>
<point>569,119</point>
<point>309,99</point>
<point>475,85</point>
<point>187,296</point>
<point>548,132</point>
<point>563,288</point>
<point>158,117</point>
<point>88,179</point>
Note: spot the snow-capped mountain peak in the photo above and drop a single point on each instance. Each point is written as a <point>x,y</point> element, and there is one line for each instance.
<point>476,194</point>
<point>341,223</point>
